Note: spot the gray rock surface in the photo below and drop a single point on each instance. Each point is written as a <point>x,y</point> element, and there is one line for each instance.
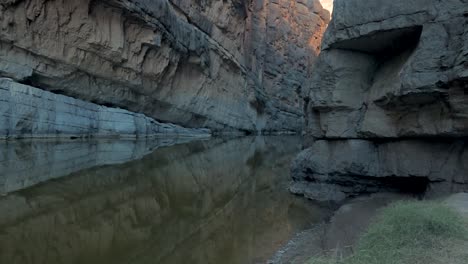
<point>398,71</point>
<point>388,99</point>
<point>334,170</point>
<point>227,65</point>
<point>28,112</point>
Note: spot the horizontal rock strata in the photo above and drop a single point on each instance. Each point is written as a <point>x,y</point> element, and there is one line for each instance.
<point>28,112</point>
<point>333,170</point>
<point>389,97</point>
<point>226,65</point>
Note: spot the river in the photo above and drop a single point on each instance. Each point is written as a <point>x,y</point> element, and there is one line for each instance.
<point>152,201</point>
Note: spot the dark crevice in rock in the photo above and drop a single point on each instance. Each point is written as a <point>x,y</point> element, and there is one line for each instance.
<point>34,81</point>
<point>380,140</point>
<point>340,187</point>
<point>259,105</point>
<point>384,44</point>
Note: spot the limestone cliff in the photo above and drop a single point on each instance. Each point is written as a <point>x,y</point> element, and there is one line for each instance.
<point>28,112</point>
<point>388,99</point>
<point>234,65</point>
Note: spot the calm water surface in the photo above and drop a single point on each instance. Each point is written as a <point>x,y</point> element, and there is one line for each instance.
<point>163,201</point>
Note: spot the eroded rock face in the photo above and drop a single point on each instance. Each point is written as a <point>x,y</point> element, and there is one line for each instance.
<point>395,73</point>
<point>28,112</point>
<point>226,65</point>
<point>389,98</point>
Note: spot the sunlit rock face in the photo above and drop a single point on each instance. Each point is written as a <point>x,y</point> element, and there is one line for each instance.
<point>226,65</point>
<point>327,4</point>
<point>391,90</point>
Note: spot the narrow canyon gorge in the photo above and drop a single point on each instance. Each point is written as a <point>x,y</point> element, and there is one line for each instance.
<point>223,131</point>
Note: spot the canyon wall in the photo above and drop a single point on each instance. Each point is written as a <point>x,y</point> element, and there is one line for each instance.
<point>233,65</point>
<point>388,101</point>
<point>28,112</point>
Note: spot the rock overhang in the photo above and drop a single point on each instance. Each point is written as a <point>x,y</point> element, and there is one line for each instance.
<point>390,79</point>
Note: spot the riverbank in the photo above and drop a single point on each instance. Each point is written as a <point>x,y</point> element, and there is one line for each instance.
<point>412,232</point>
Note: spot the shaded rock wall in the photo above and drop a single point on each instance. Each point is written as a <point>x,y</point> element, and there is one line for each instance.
<point>389,97</point>
<point>27,112</point>
<point>226,65</point>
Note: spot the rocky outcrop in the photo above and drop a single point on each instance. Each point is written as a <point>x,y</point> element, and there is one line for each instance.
<point>389,98</point>
<point>334,170</point>
<point>28,112</point>
<point>226,65</point>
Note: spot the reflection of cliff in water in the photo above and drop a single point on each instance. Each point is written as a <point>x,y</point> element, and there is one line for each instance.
<point>29,162</point>
<point>203,202</point>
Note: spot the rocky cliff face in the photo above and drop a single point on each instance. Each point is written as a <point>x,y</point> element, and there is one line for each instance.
<point>28,112</point>
<point>389,99</point>
<point>233,65</point>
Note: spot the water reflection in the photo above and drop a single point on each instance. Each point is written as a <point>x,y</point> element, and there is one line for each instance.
<point>27,163</point>
<point>216,201</point>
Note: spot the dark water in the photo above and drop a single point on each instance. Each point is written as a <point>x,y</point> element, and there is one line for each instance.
<point>215,201</point>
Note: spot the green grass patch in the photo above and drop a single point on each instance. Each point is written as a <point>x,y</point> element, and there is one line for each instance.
<point>411,232</point>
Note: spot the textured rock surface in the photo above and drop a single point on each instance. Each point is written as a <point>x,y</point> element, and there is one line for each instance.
<point>26,111</point>
<point>333,170</point>
<point>395,72</point>
<point>388,98</point>
<point>225,65</point>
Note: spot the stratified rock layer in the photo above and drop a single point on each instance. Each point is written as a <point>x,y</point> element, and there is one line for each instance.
<point>227,65</point>
<point>388,99</point>
<point>27,112</point>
